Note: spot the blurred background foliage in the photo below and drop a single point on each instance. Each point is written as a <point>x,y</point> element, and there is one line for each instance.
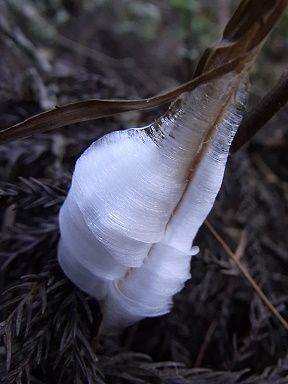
<point>183,28</point>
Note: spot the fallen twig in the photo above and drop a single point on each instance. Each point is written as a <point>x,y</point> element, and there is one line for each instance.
<point>247,276</point>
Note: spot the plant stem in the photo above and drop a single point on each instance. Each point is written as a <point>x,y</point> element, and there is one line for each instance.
<point>271,103</point>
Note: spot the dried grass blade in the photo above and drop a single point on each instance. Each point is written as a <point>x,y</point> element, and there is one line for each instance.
<point>244,33</point>
<point>248,277</point>
<point>97,108</point>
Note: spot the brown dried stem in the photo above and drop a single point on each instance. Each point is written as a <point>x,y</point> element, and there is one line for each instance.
<point>268,107</point>
<point>247,276</point>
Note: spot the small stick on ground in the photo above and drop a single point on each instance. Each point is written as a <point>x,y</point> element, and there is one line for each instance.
<point>247,276</point>
<point>211,329</point>
<point>241,245</point>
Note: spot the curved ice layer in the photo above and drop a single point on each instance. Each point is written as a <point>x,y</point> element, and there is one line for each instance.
<point>133,210</point>
<point>147,291</point>
<point>200,194</point>
<point>82,257</point>
<point>128,183</point>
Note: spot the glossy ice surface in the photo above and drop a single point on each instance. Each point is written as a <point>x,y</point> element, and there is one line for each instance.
<point>138,198</point>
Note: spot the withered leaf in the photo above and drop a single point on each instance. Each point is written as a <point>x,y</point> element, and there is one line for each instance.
<point>237,50</point>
